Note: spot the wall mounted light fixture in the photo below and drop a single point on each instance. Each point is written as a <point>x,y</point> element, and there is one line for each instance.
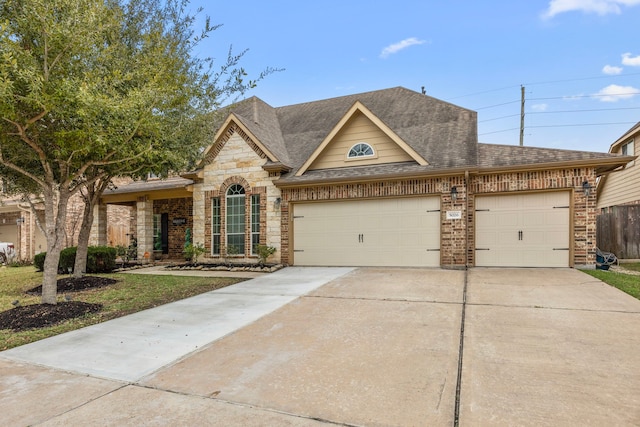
<point>277,202</point>
<point>586,188</point>
<point>454,194</point>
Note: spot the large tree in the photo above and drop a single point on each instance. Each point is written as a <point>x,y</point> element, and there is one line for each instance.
<point>92,89</point>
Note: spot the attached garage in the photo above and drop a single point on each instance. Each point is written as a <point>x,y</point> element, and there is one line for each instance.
<point>523,230</point>
<point>381,232</point>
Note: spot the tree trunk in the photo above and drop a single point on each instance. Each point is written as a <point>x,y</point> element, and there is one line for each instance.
<point>91,196</point>
<point>80,265</point>
<point>55,201</point>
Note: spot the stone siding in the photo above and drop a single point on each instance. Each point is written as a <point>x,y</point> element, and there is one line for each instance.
<point>237,160</point>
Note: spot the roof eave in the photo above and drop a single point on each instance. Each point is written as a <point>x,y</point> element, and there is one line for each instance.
<point>277,167</point>
<point>373,178</point>
<point>601,165</point>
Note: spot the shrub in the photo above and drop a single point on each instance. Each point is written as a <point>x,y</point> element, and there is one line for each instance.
<point>264,252</point>
<point>38,261</point>
<point>67,260</point>
<point>193,252</point>
<point>101,259</point>
<point>132,250</point>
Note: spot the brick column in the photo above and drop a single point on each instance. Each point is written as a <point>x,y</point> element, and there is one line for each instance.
<point>144,211</point>
<point>98,236</point>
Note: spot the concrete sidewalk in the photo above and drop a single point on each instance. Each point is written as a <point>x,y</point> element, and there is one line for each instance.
<point>130,347</point>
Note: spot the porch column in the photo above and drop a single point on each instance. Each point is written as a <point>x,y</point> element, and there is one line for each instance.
<point>144,211</point>
<point>98,235</point>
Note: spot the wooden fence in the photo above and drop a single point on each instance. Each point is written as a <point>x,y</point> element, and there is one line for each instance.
<point>619,232</point>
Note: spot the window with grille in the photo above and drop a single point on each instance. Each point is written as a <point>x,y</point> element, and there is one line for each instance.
<point>235,220</point>
<point>361,149</point>
<point>215,226</point>
<point>255,223</point>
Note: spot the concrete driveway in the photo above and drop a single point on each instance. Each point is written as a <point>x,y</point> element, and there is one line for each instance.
<point>375,347</point>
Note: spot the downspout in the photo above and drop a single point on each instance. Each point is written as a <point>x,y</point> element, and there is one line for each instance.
<point>466,225</point>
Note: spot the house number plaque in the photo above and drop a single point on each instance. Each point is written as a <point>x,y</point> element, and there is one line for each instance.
<point>454,214</point>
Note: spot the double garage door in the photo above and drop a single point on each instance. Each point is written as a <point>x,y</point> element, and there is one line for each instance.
<point>382,232</point>
<point>525,230</point>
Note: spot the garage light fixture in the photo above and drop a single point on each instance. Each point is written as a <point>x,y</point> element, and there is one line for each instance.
<point>277,202</point>
<point>454,194</point>
<point>586,187</point>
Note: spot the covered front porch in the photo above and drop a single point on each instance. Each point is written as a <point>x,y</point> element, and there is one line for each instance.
<point>161,213</point>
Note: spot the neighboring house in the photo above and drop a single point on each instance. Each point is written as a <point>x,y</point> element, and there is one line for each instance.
<point>18,226</point>
<point>622,187</point>
<point>385,178</point>
<point>618,228</point>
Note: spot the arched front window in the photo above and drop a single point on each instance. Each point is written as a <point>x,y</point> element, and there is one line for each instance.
<point>235,220</point>
<point>361,149</point>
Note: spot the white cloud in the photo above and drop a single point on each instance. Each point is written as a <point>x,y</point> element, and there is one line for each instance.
<point>539,107</point>
<point>611,70</point>
<point>397,47</point>
<point>632,61</point>
<point>601,7</point>
<point>614,93</point>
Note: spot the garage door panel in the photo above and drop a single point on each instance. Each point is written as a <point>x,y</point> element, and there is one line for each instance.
<point>9,233</point>
<point>523,230</point>
<point>398,232</point>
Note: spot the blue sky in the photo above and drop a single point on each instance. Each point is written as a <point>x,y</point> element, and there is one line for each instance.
<point>579,60</point>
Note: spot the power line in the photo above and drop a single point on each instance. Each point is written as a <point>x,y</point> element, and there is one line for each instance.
<point>581,124</point>
<point>581,79</point>
<point>590,110</point>
<point>497,105</point>
<point>560,126</point>
<point>498,118</point>
<point>577,79</point>
<point>483,92</point>
<point>595,95</point>
<point>582,111</point>
<point>498,131</point>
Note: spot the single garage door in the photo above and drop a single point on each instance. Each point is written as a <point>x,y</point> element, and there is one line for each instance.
<point>9,233</point>
<point>525,230</point>
<point>383,232</point>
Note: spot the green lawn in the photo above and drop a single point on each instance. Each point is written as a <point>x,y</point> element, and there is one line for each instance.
<point>625,282</point>
<point>635,266</point>
<point>132,293</point>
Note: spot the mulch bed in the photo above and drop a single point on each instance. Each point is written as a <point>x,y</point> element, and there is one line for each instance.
<point>34,316</point>
<point>72,284</point>
<point>42,315</point>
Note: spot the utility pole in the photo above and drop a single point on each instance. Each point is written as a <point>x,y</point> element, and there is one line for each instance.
<point>521,115</point>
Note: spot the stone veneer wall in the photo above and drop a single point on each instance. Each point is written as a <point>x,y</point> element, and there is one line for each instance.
<point>458,236</point>
<point>236,159</point>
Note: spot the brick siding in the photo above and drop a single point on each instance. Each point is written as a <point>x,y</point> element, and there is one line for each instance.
<point>458,236</point>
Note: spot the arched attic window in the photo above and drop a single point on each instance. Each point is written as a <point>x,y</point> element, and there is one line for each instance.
<point>361,149</point>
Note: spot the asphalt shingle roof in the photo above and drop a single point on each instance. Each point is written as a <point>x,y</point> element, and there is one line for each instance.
<point>493,155</point>
<point>444,134</point>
